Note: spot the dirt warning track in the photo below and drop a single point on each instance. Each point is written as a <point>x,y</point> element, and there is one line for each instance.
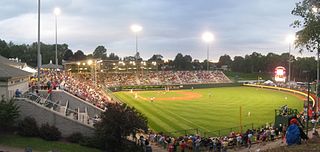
<point>187,95</point>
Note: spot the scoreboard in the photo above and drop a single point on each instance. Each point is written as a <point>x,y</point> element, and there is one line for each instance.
<point>280,74</point>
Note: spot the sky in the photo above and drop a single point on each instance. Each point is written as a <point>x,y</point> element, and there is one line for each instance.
<point>169,26</point>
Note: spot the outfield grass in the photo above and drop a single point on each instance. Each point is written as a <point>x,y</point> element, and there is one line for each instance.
<point>38,144</point>
<point>246,76</point>
<point>217,108</point>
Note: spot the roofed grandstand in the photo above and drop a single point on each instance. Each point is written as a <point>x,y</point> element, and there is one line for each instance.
<point>163,78</point>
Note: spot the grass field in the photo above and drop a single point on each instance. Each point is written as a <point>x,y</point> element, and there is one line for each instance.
<point>209,109</point>
<point>38,144</point>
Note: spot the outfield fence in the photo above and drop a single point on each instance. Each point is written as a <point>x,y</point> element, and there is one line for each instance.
<point>284,89</point>
<point>110,94</point>
<point>216,133</point>
<point>177,133</point>
<point>173,86</point>
<point>227,131</point>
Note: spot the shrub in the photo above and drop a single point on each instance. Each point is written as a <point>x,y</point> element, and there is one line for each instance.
<point>28,127</point>
<point>48,132</point>
<point>93,142</point>
<point>117,123</point>
<point>75,137</point>
<point>9,112</point>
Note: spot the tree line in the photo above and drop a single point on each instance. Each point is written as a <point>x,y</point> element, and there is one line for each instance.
<point>250,63</point>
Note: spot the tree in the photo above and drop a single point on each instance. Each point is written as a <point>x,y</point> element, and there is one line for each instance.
<point>309,35</point>
<point>238,64</point>
<point>100,52</point>
<point>137,57</point>
<point>178,61</point>
<point>254,62</point>
<point>68,54</point>
<point>79,55</point>
<point>187,63</point>
<point>117,123</point>
<point>196,65</point>
<point>4,49</point>
<point>129,58</point>
<point>113,56</point>
<point>9,112</point>
<point>156,57</point>
<point>225,60</point>
<point>304,64</point>
<point>89,56</point>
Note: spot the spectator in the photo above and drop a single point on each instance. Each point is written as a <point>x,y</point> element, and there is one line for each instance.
<point>18,93</point>
<point>293,134</point>
<point>183,146</point>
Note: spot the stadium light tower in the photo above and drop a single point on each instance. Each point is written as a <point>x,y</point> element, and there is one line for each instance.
<point>315,9</point>
<point>38,46</point>
<point>56,12</point>
<point>135,28</point>
<point>207,37</point>
<point>290,40</point>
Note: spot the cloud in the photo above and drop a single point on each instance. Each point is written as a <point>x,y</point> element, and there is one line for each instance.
<point>170,26</point>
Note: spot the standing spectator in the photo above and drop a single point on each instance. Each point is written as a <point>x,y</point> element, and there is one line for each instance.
<point>18,93</point>
<point>293,135</point>
<point>272,134</point>
<point>50,93</point>
<point>210,145</point>
<point>190,144</point>
<point>183,146</point>
<point>249,140</point>
<point>49,84</point>
<point>197,144</point>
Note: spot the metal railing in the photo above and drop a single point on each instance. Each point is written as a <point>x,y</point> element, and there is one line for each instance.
<point>62,109</point>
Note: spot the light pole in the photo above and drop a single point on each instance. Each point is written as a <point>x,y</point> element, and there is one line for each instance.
<point>317,14</point>
<point>290,40</point>
<point>135,28</point>
<point>90,63</point>
<point>93,70</point>
<point>56,12</point>
<point>38,47</point>
<point>207,37</point>
<point>78,63</point>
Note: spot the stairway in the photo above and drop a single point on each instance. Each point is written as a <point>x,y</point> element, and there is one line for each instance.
<point>157,148</point>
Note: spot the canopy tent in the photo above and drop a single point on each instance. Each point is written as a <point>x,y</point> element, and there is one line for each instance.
<point>29,69</point>
<point>268,82</point>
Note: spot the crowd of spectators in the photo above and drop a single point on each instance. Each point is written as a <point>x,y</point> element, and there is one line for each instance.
<point>197,143</point>
<point>290,133</point>
<point>163,78</point>
<point>85,88</point>
<point>118,79</point>
<point>80,86</point>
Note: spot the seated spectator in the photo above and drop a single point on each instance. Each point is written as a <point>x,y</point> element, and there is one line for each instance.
<point>294,133</point>
<point>18,93</point>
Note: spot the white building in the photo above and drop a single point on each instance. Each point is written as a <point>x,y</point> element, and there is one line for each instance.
<point>12,63</point>
<point>11,79</point>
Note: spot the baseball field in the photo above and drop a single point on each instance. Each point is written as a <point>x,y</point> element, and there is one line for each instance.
<point>209,109</point>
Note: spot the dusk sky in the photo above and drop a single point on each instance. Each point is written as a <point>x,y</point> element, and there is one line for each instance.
<point>169,26</point>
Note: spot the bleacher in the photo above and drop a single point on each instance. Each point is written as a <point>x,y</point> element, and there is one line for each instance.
<point>163,78</point>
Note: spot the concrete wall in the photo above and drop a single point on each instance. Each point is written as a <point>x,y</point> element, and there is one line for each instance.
<point>9,88</point>
<point>74,102</point>
<point>43,115</point>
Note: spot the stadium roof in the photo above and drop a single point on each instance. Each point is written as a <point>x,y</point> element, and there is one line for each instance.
<point>51,66</point>
<point>6,61</point>
<point>8,72</point>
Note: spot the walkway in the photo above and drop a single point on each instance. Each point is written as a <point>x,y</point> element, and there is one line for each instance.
<point>12,149</point>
